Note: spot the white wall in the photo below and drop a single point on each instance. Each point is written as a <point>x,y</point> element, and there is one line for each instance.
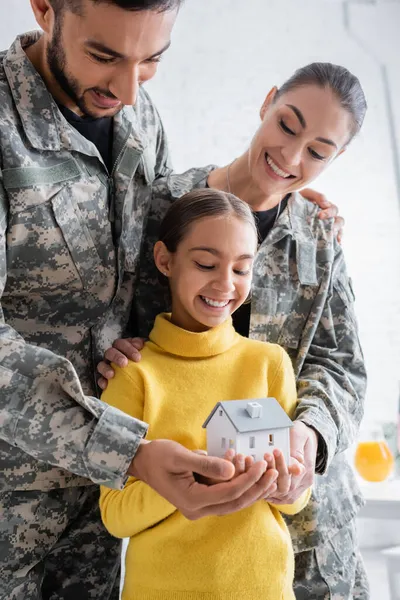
<point>225,56</point>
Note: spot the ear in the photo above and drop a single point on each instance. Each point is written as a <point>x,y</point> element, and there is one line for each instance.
<point>162,258</point>
<point>268,101</point>
<point>44,14</point>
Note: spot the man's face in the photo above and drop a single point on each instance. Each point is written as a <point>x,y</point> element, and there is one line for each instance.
<point>100,59</point>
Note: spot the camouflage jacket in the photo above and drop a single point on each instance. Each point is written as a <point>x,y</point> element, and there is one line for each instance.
<point>70,236</point>
<point>302,299</point>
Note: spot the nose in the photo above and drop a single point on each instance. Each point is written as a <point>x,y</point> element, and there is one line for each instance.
<point>126,84</point>
<point>224,283</point>
<point>292,153</point>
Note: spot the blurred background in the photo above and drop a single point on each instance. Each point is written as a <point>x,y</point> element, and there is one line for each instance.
<point>225,56</point>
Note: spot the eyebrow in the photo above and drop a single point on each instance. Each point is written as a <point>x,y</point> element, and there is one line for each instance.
<point>216,252</point>
<point>105,50</point>
<point>326,141</point>
<point>303,123</point>
<point>299,115</point>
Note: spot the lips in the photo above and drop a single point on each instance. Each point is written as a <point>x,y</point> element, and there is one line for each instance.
<point>215,303</point>
<point>104,101</point>
<point>277,169</point>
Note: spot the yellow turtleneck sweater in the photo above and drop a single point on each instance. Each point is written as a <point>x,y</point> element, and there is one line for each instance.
<point>243,556</point>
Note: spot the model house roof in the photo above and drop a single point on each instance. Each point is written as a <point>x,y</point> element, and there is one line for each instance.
<point>239,413</point>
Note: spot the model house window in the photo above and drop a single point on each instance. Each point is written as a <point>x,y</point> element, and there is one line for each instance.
<point>252,441</point>
<point>231,444</point>
<point>221,412</point>
<point>271,439</point>
<point>223,443</point>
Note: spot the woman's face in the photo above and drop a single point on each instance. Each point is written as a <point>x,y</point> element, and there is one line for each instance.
<point>210,272</point>
<point>300,135</point>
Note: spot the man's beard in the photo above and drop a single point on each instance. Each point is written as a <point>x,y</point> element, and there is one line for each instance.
<point>57,65</point>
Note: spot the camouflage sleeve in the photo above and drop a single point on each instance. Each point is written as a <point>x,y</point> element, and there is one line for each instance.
<point>332,382</point>
<point>44,412</point>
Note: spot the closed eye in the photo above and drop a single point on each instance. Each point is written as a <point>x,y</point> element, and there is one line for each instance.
<point>316,155</point>
<point>204,267</point>
<point>154,59</point>
<point>285,128</point>
<point>241,272</point>
<point>100,59</point>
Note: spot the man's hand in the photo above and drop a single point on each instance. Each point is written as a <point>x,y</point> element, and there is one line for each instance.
<point>303,449</point>
<point>169,468</point>
<point>328,210</point>
<point>121,350</point>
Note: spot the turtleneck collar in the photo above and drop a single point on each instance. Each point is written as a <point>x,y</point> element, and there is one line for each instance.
<point>181,342</point>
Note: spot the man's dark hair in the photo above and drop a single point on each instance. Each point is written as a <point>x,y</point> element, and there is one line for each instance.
<point>75,6</point>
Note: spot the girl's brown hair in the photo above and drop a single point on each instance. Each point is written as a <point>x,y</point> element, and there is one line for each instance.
<point>200,204</point>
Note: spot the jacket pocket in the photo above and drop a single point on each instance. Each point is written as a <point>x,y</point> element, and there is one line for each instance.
<point>49,247</point>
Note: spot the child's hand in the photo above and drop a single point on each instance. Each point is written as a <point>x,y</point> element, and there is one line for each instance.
<point>285,474</point>
<point>242,465</point>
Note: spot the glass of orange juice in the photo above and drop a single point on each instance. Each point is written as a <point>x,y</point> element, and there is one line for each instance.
<point>373,458</point>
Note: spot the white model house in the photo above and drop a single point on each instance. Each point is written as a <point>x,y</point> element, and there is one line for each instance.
<point>250,427</point>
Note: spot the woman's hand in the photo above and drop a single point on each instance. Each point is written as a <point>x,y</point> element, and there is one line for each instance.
<point>328,210</point>
<point>121,350</point>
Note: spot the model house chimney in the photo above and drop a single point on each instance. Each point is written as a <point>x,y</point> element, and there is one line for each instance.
<point>254,409</point>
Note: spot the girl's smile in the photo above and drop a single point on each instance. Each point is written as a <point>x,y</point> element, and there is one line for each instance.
<point>210,271</point>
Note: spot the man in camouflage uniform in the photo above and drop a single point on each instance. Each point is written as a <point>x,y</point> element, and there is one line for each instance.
<point>71,230</point>
<point>302,299</point>
<point>62,296</point>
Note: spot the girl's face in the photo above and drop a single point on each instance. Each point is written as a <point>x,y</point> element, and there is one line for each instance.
<point>210,272</point>
<point>300,135</point>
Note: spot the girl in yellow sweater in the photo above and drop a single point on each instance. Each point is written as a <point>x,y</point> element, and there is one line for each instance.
<point>194,359</point>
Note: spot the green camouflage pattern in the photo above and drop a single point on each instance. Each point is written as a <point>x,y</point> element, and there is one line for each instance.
<point>70,238</point>
<point>332,571</point>
<point>62,284</point>
<point>54,546</point>
<point>70,235</point>
<point>302,299</point>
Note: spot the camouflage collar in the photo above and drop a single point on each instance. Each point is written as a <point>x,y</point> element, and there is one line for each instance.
<point>43,123</point>
<point>299,212</point>
<point>35,105</point>
<point>294,222</point>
